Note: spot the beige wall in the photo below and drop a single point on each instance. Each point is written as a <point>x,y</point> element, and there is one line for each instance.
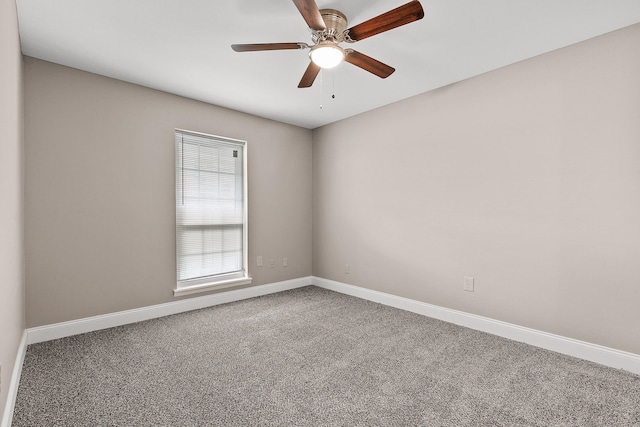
<point>11,191</point>
<point>100,213</point>
<point>526,178</point>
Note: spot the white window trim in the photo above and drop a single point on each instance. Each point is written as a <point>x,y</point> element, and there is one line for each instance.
<point>187,287</point>
<point>194,289</point>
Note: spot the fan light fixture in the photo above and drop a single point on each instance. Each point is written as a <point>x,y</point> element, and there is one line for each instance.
<point>328,29</point>
<point>327,54</point>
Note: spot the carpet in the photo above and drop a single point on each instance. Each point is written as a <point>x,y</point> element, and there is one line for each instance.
<point>313,357</point>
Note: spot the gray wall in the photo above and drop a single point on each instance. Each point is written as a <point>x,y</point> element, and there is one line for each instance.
<point>11,190</point>
<point>526,178</point>
<point>100,212</point>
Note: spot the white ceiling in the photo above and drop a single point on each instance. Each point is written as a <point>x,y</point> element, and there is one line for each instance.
<point>183,47</point>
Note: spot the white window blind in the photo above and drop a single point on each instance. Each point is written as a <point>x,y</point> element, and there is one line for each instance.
<point>210,209</point>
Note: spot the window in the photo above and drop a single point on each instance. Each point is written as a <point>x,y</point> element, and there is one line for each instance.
<point>211,212</point>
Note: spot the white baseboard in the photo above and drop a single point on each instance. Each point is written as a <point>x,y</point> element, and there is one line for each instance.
<point>595,353</point>
<point>12,393</point>
<point>95,323</point>
<point>584,350</point>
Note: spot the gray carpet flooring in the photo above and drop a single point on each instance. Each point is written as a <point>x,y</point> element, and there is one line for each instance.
<point>312,357</point>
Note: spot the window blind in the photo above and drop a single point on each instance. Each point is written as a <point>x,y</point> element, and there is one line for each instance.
<point>209,208</point>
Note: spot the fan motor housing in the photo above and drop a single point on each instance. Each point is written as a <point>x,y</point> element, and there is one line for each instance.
<point>334,20</point>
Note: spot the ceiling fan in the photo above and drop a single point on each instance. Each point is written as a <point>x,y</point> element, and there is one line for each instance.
<point>328,30</point>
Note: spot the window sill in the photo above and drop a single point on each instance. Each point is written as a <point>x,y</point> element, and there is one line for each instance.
<point>206,287</point>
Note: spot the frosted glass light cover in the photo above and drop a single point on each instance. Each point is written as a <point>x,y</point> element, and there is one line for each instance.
<point>327,56</point>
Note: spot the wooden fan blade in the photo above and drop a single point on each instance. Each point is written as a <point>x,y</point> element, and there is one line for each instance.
<point>369,64</point>
<point>397,17</point>
<point>311,14</point>
<point>309,75</point>
<point>267,46</point>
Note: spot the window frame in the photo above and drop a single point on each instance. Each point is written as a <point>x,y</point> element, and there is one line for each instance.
<point>223,280</point>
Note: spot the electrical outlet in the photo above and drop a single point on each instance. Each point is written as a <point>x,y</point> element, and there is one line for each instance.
<point>285,262</point>
<point>468,284</point>
<point>259,261</point>
<point>347,269</point>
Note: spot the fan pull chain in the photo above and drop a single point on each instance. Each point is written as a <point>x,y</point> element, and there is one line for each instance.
<point>333,85</point>
<point>321,87</point>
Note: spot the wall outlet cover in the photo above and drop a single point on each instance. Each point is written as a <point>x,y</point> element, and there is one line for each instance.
<point>468,284</point>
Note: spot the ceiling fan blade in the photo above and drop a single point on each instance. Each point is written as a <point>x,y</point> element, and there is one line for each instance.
<point>267,46</point>
<point>311,14</point>
<point>397,17</point>
<point>309,75</point>
<point>368,63</point>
